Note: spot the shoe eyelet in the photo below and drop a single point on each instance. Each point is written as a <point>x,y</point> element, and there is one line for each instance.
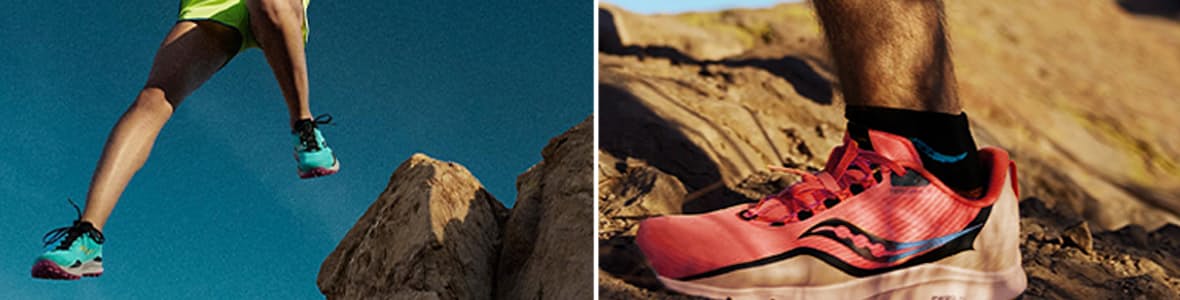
<point>746,216</point>
<point>831,202</point>
<point>804,215</point>
<point>856,188</point>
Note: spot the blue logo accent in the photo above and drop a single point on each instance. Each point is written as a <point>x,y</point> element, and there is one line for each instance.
<point>929,244</point>
<point>939,157</point>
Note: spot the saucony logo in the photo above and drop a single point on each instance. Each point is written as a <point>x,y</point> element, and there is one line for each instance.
<point>85,249</point>
<point>877,249</point>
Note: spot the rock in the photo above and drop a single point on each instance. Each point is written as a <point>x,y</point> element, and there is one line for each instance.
<point>434,233</point>
<point>547,252</point>
<point>641,190</point>
<point>1135,235</point>
<point>631,29</point>
<point>1079,236</point>
<point>710,138</point>
<point>608,33</point>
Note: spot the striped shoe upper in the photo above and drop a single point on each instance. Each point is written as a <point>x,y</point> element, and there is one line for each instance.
<point>866,213</point>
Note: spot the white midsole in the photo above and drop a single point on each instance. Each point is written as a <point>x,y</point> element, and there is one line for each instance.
<point>91,267</point>
<point>958,283</point>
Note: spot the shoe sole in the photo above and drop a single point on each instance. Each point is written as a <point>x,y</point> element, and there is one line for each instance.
<point>45,269</point>
<point>928,281</point>
<point>320,172</point>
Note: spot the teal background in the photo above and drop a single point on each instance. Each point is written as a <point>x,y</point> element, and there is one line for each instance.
<point>218,212</point>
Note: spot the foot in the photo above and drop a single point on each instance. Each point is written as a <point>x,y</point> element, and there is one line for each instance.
<point>312,155</point>
<point>870,225</point>
<point>77,252</point>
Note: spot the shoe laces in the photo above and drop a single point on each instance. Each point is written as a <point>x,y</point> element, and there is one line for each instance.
<point>833,184</point>
<point>67,235</point>
<point>306,131</point>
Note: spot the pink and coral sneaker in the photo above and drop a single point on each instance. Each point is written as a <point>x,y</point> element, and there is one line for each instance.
<point>872,224</point>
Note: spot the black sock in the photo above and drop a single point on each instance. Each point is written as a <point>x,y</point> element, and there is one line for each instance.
<point>943,141</point>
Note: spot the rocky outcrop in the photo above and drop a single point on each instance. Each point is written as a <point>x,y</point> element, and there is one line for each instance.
<point>433,234</point>
<point>547,252</point>
<point>632,190</point>
<point>1090,124</point>
<point>1064,260</point>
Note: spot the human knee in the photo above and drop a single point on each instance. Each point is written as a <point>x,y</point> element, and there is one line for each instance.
<point>276,11</point>
<point>155,100</point>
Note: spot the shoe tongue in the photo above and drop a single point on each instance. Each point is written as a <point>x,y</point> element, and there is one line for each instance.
<point>894,147</point>
<point>301,126</point>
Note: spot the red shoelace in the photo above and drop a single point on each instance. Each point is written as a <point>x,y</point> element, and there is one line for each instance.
<point>822,189</point>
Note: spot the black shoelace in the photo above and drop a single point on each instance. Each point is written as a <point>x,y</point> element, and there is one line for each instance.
<point>68,234</point>
<point>306,131</point>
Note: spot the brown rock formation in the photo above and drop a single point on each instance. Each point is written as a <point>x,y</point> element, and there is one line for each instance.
<point>1129,263</point>
<point>547,252</point>
<point>433,234</point>
<point>1082,94</point>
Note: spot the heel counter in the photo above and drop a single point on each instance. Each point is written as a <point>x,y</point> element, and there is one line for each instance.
<point>999,240</point>
<point>997,246</point>
<point>1015,179</point>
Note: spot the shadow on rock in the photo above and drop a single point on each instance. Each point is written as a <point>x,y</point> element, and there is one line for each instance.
<point>624,120</point>
<point>621,257</point>
<point>1160,8</point>
<point>807,82</point>
<point>795,70</point>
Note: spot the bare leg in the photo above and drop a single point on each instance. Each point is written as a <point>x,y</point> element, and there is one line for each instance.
<point>189,56</point>
<point>278,27</point>
<point>896,73</point>
<point>891,53</point>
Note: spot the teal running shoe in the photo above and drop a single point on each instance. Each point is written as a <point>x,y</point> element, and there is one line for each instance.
<point>312,154</point>
<point>78,252</point>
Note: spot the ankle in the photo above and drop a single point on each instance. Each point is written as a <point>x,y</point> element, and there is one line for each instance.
<point>95,225</point>
<point>301,124</point>
<point>943,141</point>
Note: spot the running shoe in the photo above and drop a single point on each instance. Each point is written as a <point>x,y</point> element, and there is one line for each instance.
<point>312,155</point>
<point>78,252</point>
<point>871,224</point>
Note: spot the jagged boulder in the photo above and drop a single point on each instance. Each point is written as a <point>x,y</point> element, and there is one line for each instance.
<point>547,252</point>
<point>434,233</point>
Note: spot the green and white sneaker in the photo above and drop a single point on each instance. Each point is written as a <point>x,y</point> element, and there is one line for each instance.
<point>78,254</point>
<point>312,155</point>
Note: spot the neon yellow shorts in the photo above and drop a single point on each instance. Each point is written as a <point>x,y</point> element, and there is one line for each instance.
<point>232,13</point>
